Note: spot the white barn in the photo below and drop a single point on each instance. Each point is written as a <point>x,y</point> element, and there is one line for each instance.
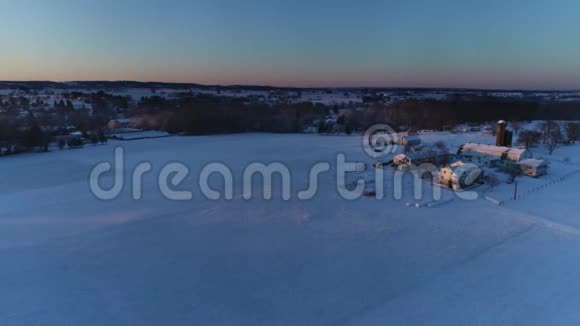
<point>491,155</point>
<point>460,175</point>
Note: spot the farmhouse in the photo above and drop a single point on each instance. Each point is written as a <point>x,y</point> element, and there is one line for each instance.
<point>533,167</point>
<point>460,175</point>
<point>120,124</point>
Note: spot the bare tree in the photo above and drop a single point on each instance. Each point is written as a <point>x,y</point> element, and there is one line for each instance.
<point>554,139</point>
<point>516,126</point>
<point>529,138</point>
<point>572,131</point>
<point>547,128</point>
<point>492,180</point>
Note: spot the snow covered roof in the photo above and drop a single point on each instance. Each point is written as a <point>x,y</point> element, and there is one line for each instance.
<point>483,155</point>
<point>514,154</point>
<point>399,157</point>
<point>533,162</point>
<point>460,168</point>
<point>429,152</point>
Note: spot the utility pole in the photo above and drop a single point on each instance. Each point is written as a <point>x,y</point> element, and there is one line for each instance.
<point>515,190</point>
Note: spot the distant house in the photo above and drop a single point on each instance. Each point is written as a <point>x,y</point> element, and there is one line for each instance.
<point>533,167</point>
<point>460,175</point>
<point>69,136</point>
<point>410,140</point>
<point>121,124</point>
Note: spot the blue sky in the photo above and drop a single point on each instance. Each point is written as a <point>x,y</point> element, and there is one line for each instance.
<point>488,44</point>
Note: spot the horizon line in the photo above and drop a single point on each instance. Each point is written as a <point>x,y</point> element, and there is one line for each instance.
<point>297,87</point>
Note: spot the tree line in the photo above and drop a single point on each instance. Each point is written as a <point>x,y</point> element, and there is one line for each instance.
<point>215,115</point>
<point>439,114</point>
<point>551,134</point>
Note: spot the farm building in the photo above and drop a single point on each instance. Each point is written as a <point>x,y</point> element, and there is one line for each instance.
<point>460,175</point>
<point>533,167</point>
<point>483,160</point>
<point>410,140</point>
<point>430,155</point>
<point>121,124</point>
<point>503,136</point>
<point>506,155</point>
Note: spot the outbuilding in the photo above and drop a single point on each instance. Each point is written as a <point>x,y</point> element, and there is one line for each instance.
<point>410,140</point>
<point>533,167</point>
<point>121,124</point>
<point>426,155</point>
<point>460,175</point>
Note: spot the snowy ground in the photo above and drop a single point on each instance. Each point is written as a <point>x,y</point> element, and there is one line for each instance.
<point>69,258</point>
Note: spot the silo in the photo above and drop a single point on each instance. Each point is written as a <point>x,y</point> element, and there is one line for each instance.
<point>507,141</point>
<point>500,133</point>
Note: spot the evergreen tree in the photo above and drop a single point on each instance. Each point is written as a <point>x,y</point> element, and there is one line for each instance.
<point>34,137</point>
<point>69,106</point>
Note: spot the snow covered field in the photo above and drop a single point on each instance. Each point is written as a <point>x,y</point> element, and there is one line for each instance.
<point>70,258</point>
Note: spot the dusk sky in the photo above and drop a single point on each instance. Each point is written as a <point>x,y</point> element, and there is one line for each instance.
<point>474,44</point>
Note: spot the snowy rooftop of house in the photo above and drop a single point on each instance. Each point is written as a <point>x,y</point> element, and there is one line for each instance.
<point>399,156</point>
<point>512,153</point>
<point>533,162</point>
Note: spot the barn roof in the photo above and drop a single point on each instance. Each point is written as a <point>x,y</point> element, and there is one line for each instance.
<point>533,162</point>
<point>514,154</point>
<point>459,168</point>
<point>425,153</point>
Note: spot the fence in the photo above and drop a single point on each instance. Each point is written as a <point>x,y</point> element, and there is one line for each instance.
<point>524,193</point>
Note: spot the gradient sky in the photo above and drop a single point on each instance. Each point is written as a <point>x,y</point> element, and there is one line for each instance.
<point>480,44</point>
